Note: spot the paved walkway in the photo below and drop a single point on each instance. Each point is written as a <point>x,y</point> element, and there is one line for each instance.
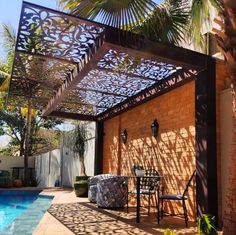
<point>123,224</point>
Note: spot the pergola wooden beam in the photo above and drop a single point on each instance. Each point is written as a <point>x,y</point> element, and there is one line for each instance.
<point>74,116</point>
<point>75,77</point>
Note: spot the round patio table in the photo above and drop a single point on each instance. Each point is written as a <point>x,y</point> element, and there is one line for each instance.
<point>138,191</point>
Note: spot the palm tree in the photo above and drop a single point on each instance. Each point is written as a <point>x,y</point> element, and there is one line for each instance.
<point>77,141</point>
<point>167,22</point>
<point>9,40</point>
<point>226,41</point>
<point>80,143</point>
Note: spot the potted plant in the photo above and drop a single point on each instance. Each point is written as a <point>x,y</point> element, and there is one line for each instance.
<point>139,170</point>
<point>77,141</point>
<point>81,186</point>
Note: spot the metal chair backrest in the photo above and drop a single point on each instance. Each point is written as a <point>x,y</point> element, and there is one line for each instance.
<point>188,184</point>
<point>150,183</point>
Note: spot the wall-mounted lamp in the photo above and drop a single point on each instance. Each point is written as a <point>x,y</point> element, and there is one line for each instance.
<point>124,136</point>
<point>155,128</point>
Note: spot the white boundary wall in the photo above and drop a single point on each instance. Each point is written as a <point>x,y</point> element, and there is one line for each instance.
<point>7,162</point>
<point>63,164</point>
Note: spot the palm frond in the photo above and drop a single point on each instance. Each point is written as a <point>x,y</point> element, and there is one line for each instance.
<point>122,14</point>
<point>9,37</point>
<point>167,23</point>
<point>200,15</point>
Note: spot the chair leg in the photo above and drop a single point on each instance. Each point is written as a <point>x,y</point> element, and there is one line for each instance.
<point>162,210</point>
<point>185,213</point>
<point>127,202</point>
<point>127,199</point>
<point>149,202</point>
<point>158,212</point>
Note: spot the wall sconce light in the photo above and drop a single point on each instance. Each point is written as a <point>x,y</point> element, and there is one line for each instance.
<point>124,136</point>
<point>155,128</point>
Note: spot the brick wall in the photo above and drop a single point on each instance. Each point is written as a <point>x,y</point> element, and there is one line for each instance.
<point>172,153</point>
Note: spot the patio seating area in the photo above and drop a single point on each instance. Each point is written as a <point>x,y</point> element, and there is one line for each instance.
<point>72,215</point>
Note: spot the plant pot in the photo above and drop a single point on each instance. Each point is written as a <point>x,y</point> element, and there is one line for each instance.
<point>140,172</point>
<point>81,188</point>
<point>18,183</point>
<point>79,178</point>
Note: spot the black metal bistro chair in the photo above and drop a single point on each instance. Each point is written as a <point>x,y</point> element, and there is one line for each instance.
<point>175,197</point>
<point>148,186</point>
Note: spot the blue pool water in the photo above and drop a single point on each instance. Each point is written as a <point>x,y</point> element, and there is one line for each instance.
<point>20,211</point>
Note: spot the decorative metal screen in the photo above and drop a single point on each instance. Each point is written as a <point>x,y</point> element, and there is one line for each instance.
<point>64,64</point>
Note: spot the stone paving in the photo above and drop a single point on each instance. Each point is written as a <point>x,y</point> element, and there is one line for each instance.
<point>82,217</point>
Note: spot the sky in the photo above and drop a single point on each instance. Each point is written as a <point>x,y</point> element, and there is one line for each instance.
<point>10,13</point>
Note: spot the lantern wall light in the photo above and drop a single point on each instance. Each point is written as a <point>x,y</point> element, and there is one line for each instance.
<point>155,128</point>
<point>124,136</point>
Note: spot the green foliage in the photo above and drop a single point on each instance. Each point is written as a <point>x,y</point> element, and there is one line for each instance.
<point>34,182</point>
<point>168,232</point>
<point>167,22</point>
<point>76,140</point>
<point>200,14</point>
<point>12,121</point>
<point>206,225</point>
<point>121,14</point>
<point>13,124</point>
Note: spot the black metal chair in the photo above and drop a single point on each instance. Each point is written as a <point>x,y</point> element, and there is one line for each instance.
<point>175,197</point>
<point>148,186</point>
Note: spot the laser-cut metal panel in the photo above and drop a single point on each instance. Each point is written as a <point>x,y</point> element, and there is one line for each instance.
<point>67,66</point>
<point>113,82</point>
<point>80,108</point>
<point>38,76</point>
<point>150,69</point>
<point>155,90</point>
<point>53,34</point>
<point>117,77</point>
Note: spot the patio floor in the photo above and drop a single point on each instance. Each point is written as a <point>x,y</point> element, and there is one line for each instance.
<point>71,215</point>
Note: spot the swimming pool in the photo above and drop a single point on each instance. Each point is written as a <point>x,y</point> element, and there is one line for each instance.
<point>21,211</point>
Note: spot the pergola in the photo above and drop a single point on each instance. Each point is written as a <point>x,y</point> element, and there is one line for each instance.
<point>71,67</point>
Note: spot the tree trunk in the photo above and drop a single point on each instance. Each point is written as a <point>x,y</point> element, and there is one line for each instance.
<point>22,143</point>
<point>27,141</point>
<point>83,170</point>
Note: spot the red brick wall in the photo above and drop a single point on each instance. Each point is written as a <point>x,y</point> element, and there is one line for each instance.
<point>172,153</point>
